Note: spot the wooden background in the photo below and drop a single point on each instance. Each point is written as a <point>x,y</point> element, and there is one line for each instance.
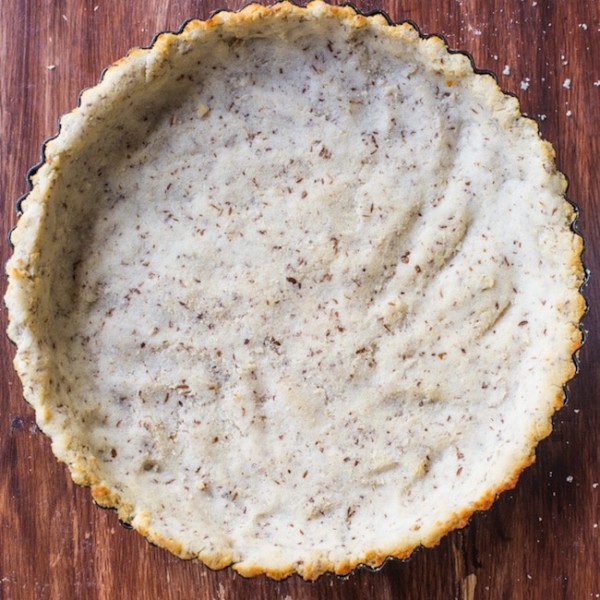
<point>541,541</point>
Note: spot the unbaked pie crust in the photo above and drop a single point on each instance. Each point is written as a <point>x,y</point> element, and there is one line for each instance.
<point>295,290</point>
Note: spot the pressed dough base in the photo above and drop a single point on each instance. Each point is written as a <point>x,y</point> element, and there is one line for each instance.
<point>296,290</point>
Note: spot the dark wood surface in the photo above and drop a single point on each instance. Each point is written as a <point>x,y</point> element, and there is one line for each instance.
<point>540,541</point>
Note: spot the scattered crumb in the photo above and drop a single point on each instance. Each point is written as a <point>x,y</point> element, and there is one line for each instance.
<point>570,479</point>
<point>495,56</point>
<point>597,83</point>
<point>542,117</point>
<point>65,18</point>
<point>203,110</point>
<point>595,485</point>
<point>576,411</point>
<point>51,67</point>
<point>525,83</point>
<point>567,84</point>
<point>506,70</point>
<point>583,26</point>
<point>96,8</point>
<point>569,113</point>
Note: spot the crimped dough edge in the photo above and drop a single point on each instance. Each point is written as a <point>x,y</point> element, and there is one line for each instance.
<point>31,361</point>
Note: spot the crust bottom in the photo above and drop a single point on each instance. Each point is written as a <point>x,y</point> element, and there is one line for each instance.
<point>23,286</point>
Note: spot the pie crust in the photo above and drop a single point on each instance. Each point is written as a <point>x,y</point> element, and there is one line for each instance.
<point>295,290</point>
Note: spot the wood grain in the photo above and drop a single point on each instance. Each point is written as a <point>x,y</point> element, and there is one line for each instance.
<point>541,541</point>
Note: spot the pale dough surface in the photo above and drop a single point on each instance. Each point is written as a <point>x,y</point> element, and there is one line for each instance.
<point>296,290</point>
